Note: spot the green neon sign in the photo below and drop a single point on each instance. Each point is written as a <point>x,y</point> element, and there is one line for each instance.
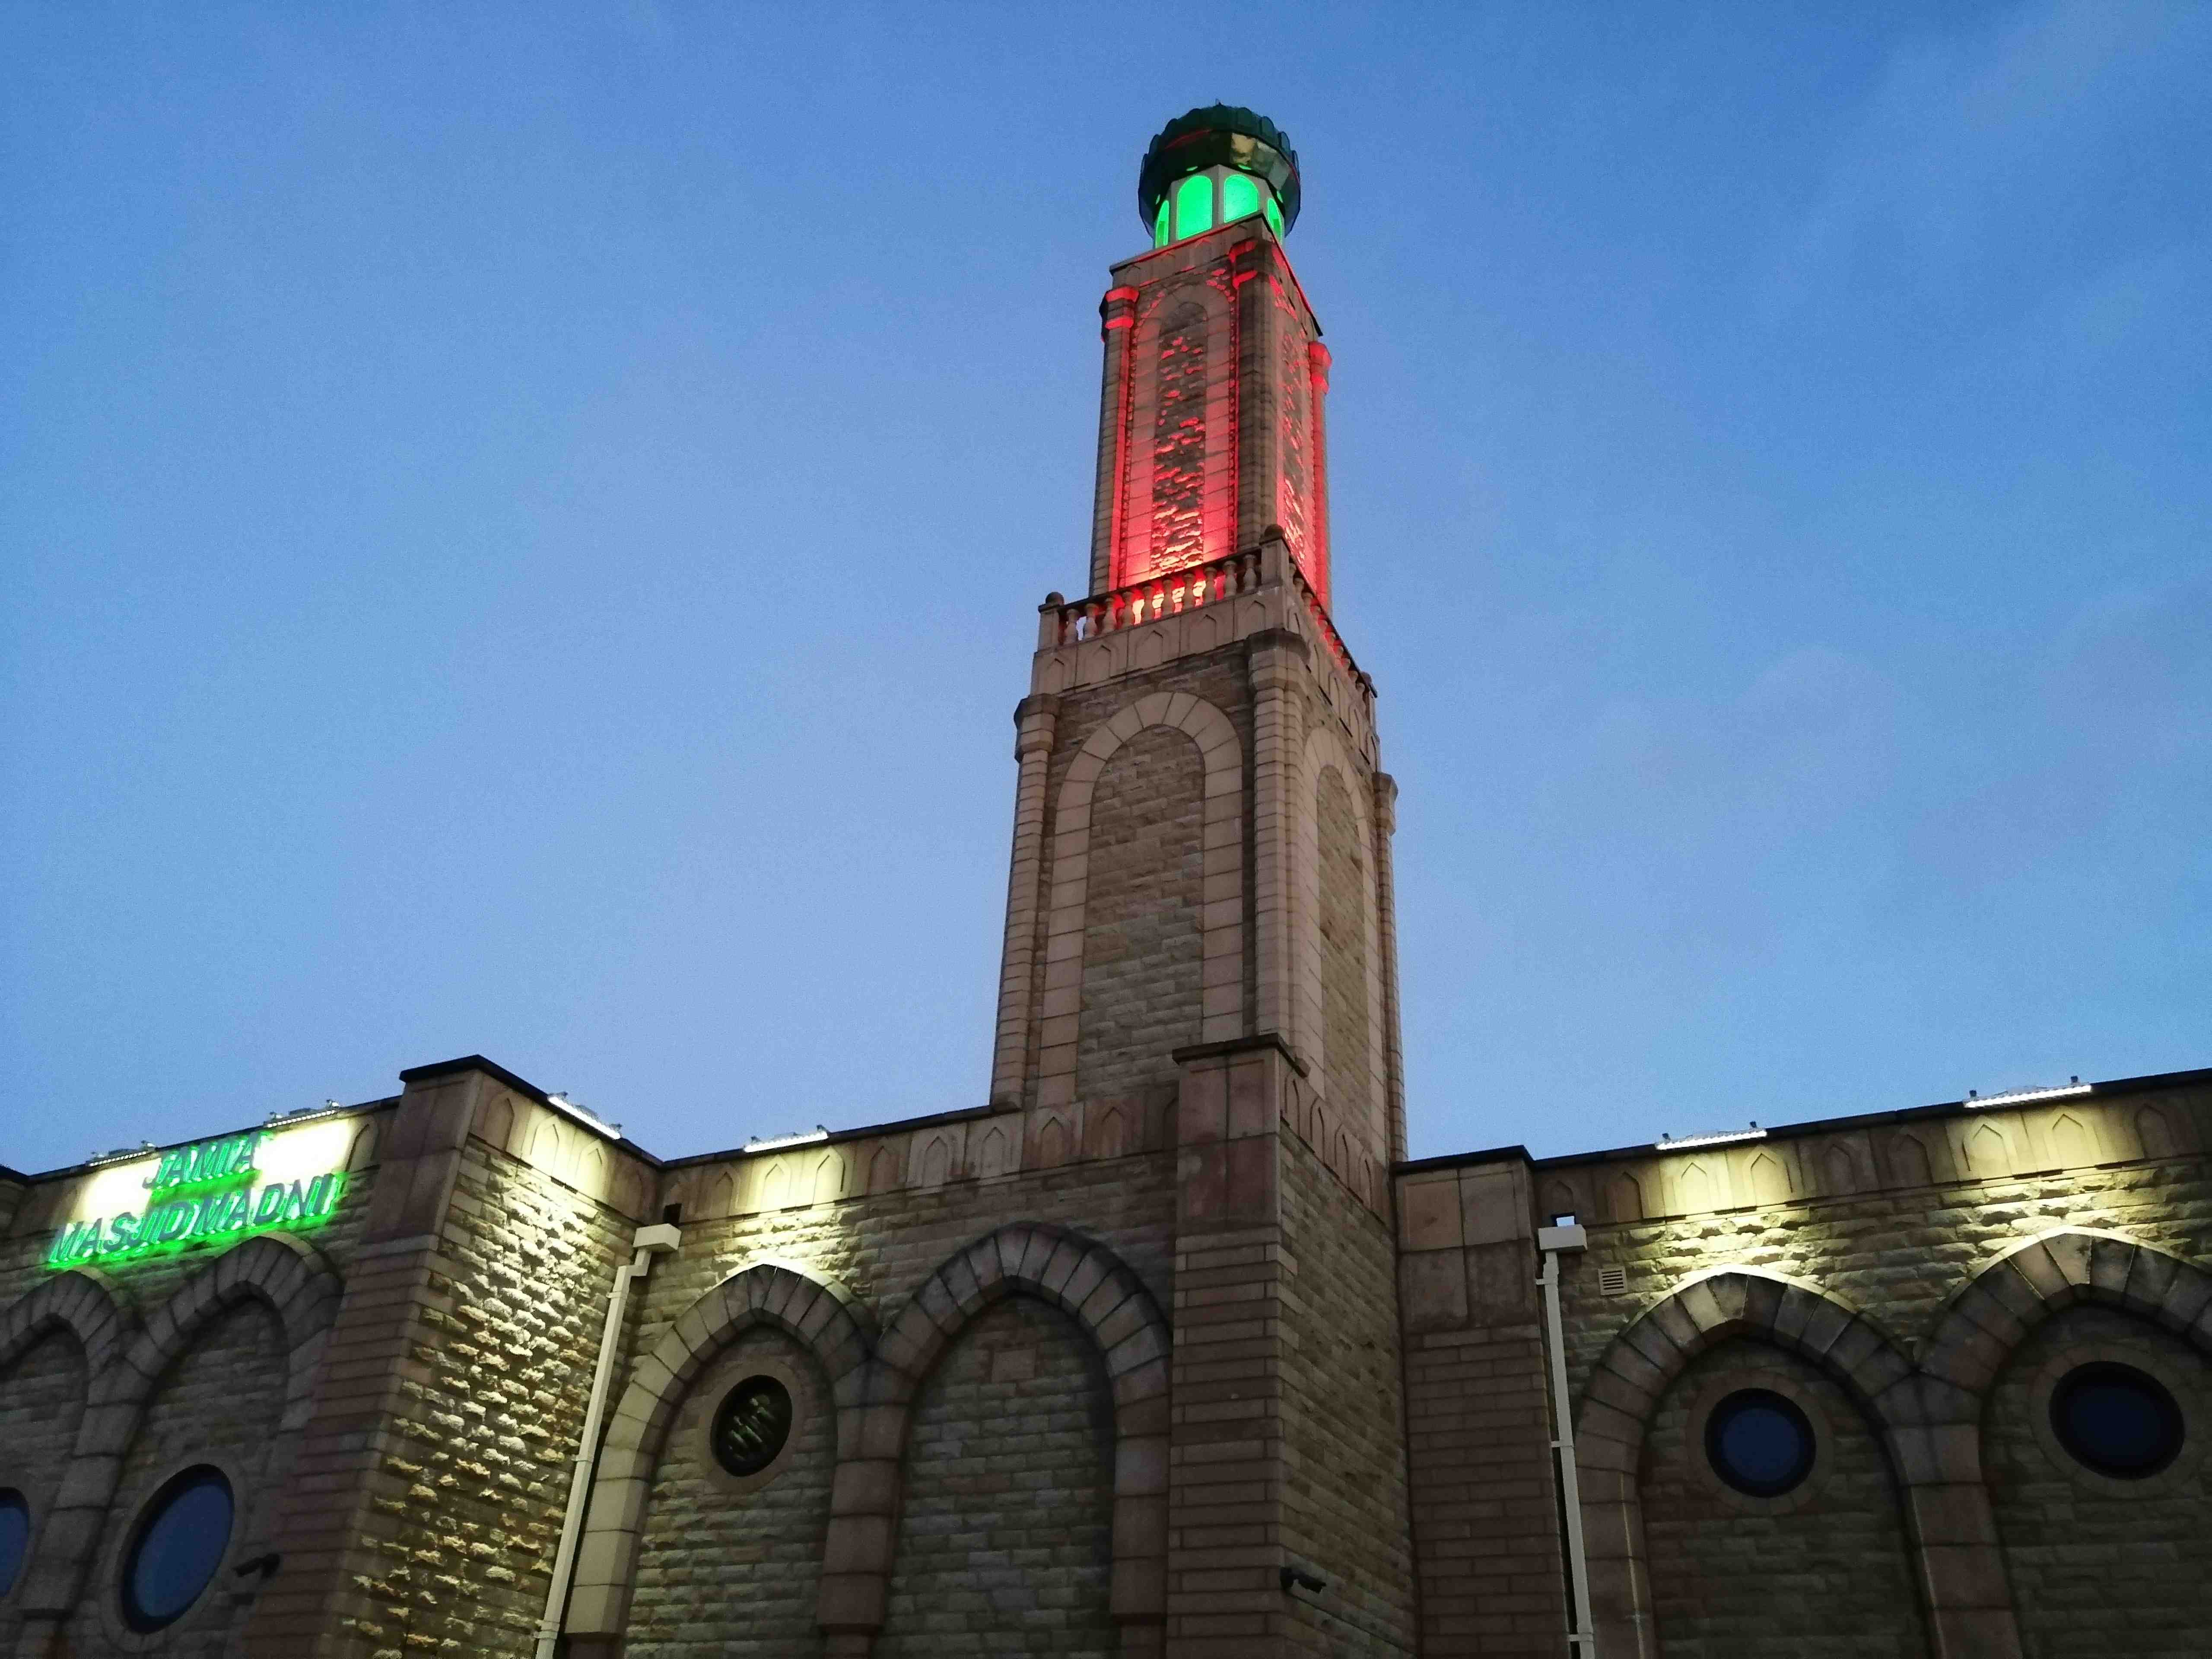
<point>208,1190</point>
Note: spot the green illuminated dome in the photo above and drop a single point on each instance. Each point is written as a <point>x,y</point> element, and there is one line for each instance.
<point>1213,166</point>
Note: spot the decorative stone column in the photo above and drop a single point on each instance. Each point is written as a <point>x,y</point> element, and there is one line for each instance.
<point>1035,721</point>
<point>1386,933</point>
<point>1277,657</point>
<point>1117,321</point>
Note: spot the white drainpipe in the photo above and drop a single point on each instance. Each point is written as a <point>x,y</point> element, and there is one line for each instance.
<point>1582,1640</point>
<point>649,1241</point>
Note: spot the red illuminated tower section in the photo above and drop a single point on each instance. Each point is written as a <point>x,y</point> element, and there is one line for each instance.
<point>1211,428</point>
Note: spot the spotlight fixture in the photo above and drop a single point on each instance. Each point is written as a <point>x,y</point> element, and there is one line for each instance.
<point>2073,1086</point>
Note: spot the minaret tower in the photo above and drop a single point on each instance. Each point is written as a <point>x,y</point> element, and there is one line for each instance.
<point>1201,843</point>
<point>1199,952</point>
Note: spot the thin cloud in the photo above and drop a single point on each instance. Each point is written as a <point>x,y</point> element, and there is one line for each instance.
<point>1986,162</point>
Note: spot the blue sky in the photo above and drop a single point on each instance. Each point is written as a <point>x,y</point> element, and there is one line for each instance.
<point>522,527</point>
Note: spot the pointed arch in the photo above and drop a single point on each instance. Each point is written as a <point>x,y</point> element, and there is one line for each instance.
<point>289,1277</point>
<point>1221,757</point>
<point>1707,1310</point>
<point>819,1314</point>
<point>82,1301</point>
<point>1325,749</point>
<point>883,1169</point>
<point>1110,1304</point>
<point>1927,1428</point>
<point>295,1282</point>
<point>367,1147</point>
<point>1624,1199</point>
<point>1992,1313</point>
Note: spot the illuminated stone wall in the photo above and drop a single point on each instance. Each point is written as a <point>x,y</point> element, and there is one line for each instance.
<point>466,1505</point>
<point>42,1397</point>
<point>2100,1565</point>
<point>1007,1447</point>
<point>1825,1575</point>
<point>1898,1271</point>
<point>197,1351</point>
<point>1894,1214</point>
<point>1003,1542</point>
<point>731,1566</point>
<point>218,1405</point>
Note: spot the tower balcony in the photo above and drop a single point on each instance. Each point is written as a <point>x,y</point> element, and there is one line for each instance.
<point>1178,614</point>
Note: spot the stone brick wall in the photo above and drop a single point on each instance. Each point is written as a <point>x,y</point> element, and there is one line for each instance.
<point>467,1505</point>
<point>1004,1545</point>
<point>218,1404</point>
<point>1478,1409</point>
<point>1347,1066</point>
<point>995,1460</point>
<point>1218,678</point>
<point>1141,946</point>
<point>1912,1235</point>
<point>1893,1245</point>
<point>725,1567</point>
<point>1822,1572</point>
<point>882,1246</point>
<point>41,1403</point>
<point>2100,1566</point>
<point>1344,1501</point>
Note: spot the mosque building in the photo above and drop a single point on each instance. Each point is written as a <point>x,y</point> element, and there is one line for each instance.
<point>1166,1348</point>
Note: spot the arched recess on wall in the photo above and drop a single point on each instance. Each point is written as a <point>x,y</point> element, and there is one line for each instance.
<point>1994,1312</point>
<point>1111,1306</point>
<point>55,1341</point>
<point>296,1283</point>
<point>1325,750</point>
<point>82,1301</point>
<point>290,1276</point>
<point>820,1315</point>
<point>2086,1554</point>
<point>1222,761</point>
<point>1632,1375</point>
<point>367,1147</point>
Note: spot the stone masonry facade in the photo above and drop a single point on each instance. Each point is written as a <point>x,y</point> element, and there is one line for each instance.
<point>1163,1349</point>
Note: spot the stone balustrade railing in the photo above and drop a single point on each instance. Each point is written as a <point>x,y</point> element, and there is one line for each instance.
<point>1329,636</point>
<point>1065,622</point>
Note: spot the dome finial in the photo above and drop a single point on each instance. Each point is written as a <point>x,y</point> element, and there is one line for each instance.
<point>1247,158</point>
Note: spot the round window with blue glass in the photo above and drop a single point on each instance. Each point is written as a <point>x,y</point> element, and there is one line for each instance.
<point>178,1548</point>
<point>2116,1420</point>
<point>1759,1442</point>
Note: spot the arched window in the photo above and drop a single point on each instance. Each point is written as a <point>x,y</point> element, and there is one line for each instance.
<point>1193,202</point>
<point>1160,225</point>
<point>1240,197</point>
<point>1274,216</point>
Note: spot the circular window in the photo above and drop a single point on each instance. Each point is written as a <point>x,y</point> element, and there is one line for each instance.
<point>178,1547</point>
<point>1759,1442</point>
<point>15,1537</point>
<point>2116,1420</point>
<point>751,1424</point>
